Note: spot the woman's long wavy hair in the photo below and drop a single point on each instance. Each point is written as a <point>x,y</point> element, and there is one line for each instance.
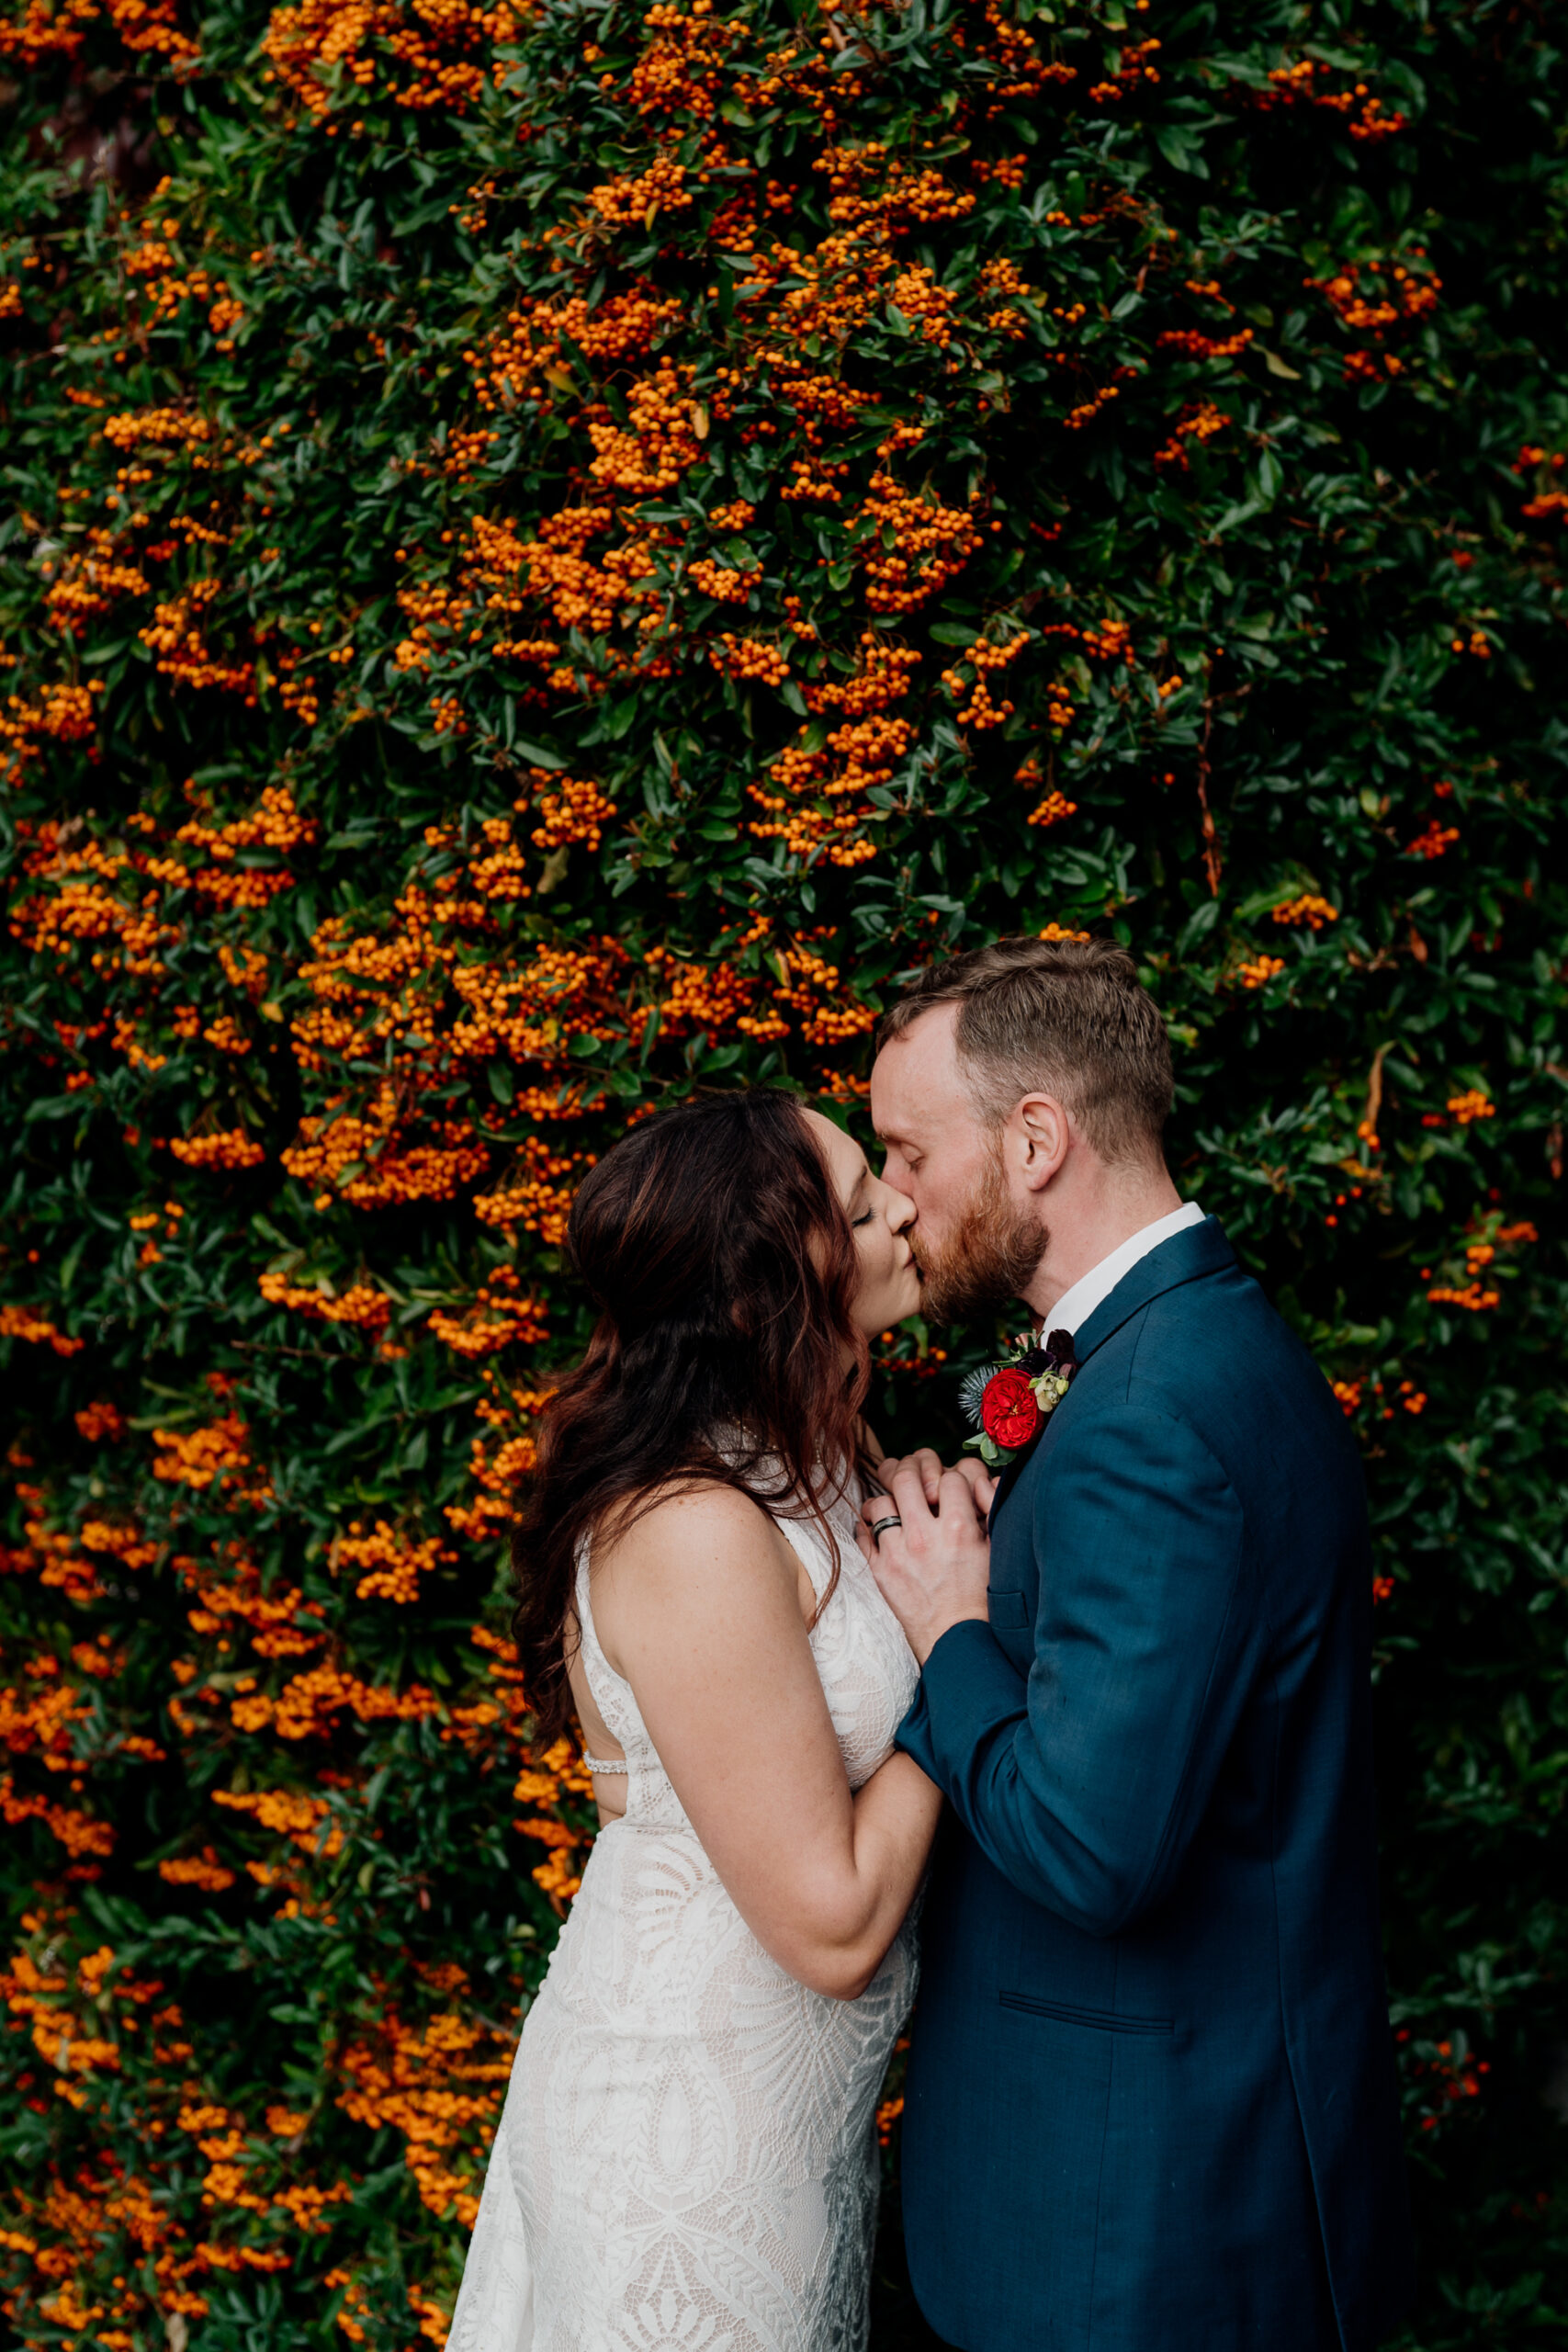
<point>723,1267</point>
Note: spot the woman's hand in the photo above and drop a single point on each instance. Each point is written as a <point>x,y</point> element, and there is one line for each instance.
<point>982,1486</point>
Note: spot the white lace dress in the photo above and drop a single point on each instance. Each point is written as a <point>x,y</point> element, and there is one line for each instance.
<point>686,2161</point>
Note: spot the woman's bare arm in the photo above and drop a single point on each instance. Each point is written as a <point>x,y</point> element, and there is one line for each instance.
<point>699,1607</point>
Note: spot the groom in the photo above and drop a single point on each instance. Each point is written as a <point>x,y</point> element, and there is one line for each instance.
<point>1151,2102</point>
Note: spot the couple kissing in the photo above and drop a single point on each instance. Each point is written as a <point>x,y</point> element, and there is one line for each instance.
<point>1077,1733</point>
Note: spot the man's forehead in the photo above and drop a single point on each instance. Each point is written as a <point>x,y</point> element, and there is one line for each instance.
<point>914,1080</point>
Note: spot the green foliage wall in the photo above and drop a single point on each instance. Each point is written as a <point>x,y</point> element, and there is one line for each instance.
<point>548,554</point>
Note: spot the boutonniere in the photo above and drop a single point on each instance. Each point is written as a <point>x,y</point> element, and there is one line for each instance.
<point>1012,1403</point>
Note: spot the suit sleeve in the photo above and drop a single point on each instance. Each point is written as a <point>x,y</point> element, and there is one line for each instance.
<point>1085,1783</point>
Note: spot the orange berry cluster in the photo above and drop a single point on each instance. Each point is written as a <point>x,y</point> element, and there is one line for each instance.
<point>637,199</point>
<point>1131,69</point>
<point>1299,84</point>
<point>1436,841</point>
<point>80,1834</point>
<point>1475,1298</point>
<point>812,485</point>
<point>65,713</point>
<point>161,428</point>
<point>203,1869</point>
<point>722,582</point>
<point>677,73</point>
<point>1052,810</point>
<point>362,1305</point>
<point>526,360</point>
<point>982,661</point>
<point>306,1705</point>
<point>1198,421</point>
<point>500,1316</point>
<point>305,1822</point>
<point>881,678</point>
<point>710,997</point>
<point>1309,912</point>
<point>930,545</point>
<point>392,1565</point>
<point>401,2079</point>
<point>366,1162</point>
<point>84,582</point>
<point>1192,344</point>
<point>1003,284</point>
<point>494,1471</point>
<point>227,1148</point>
<point>746,657</point>
<point>1405,296</point>
<point>663,436</point>
<point>216,1455</point>
<point>1024,72</point>
<point>531,1012</point>
<point>175,635</point>
<point>573,810</point>
<point>1087,410</point>
<point>532,1199</point>
<point>320,42</point>
<point>280,1621</point>
<point>1112,641</point>
<point>813,988</point>
<point>918,298</point>
<point>902,197</point>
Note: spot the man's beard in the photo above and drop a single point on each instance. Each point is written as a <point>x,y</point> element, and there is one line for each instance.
<point>991,1258</point>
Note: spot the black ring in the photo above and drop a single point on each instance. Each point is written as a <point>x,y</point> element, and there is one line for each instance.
<point>878,1526</point>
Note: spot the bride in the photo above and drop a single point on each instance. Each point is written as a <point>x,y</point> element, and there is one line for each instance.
<point>686,2160</point>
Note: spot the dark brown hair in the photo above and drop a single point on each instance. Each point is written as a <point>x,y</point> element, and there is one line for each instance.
<point>1065,1016</point>
<point>723,1267</point>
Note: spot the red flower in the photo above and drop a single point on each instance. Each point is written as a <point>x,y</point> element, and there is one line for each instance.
<point>1009,1413</point>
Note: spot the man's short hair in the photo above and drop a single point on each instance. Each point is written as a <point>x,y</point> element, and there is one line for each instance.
<point>1054,1016</point>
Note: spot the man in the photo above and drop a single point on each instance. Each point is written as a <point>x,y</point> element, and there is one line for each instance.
<point>1151,2102</point>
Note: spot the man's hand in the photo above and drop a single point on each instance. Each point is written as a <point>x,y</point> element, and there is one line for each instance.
<point>933,1567</point>
<point>931,1469</point>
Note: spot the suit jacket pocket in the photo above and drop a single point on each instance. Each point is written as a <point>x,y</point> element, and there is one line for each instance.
<point>1101,2020</point>
<point>1007,1610</point>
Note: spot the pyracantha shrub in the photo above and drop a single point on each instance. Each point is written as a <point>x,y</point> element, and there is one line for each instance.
<point>548,554</point>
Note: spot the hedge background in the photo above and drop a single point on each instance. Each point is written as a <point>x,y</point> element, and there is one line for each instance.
<point>549,554</point>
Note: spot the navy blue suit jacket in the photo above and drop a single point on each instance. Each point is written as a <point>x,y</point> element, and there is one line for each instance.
<point>1151,2102</point>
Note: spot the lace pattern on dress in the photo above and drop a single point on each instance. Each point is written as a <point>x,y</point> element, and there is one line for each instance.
<point>687,2155</point>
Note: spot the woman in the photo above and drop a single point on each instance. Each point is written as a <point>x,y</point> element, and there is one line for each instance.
<point>686,2157</point>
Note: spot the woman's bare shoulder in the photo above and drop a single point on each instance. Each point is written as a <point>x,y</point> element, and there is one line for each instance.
<point>681,1523</point>
<point>683,1563</point>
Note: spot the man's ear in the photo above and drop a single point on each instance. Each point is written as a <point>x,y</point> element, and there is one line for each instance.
<point>1039,1138</point>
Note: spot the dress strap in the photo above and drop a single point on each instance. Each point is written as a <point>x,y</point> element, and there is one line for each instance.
<point>611,1695</point>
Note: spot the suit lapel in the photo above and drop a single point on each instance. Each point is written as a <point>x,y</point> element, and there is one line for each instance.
<point>1187,1257</point>
<point>1199,1250</point>
<point>1014,1470</point>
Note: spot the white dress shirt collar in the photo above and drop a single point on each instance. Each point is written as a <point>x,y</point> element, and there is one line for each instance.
<point>1075,1306</point>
